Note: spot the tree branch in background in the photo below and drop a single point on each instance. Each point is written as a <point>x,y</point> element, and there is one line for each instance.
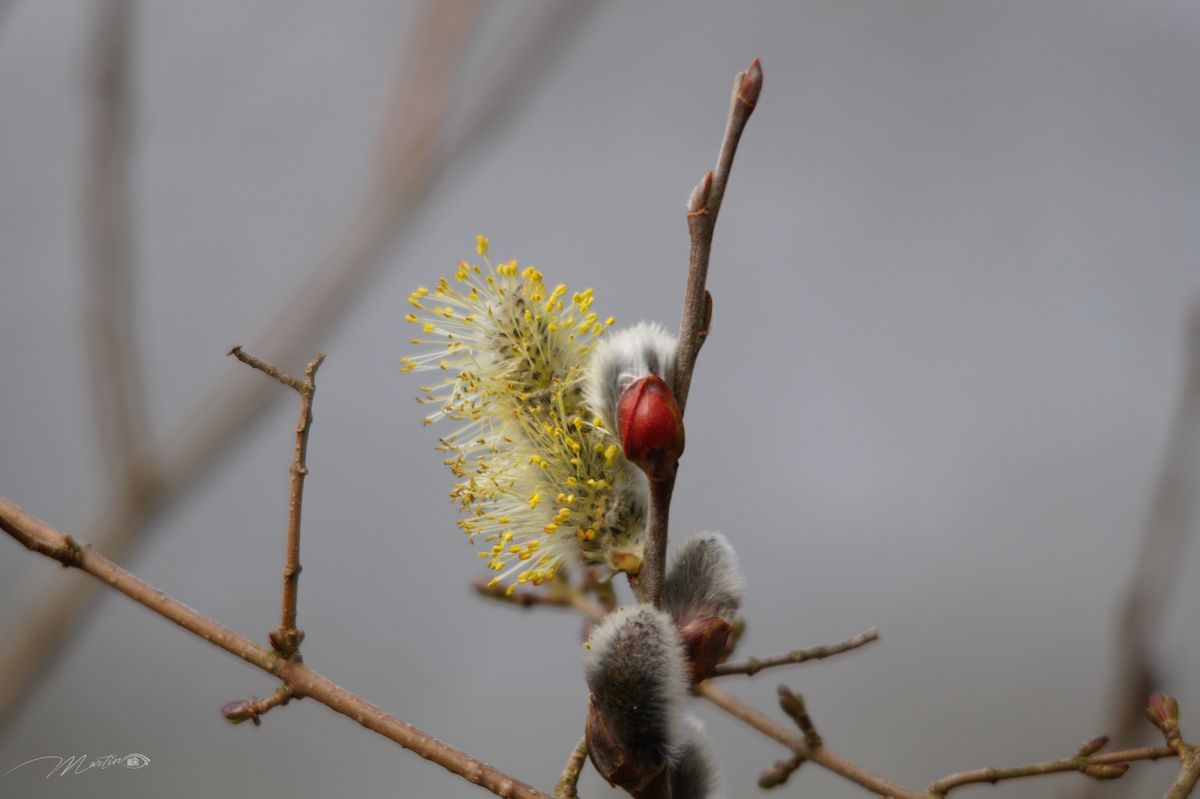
<point>1170,523</point>
<point>567,597</point>
<point>302,681</point>
<point>435,49</point>
<point>752,666</point>
<point>114,371</point>
<point>702,209</point>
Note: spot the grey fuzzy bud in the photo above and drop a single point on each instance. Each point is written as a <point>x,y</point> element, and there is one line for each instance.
<point>704,580</point>
<point>694,770</point>
<point>636,671</point>
<point>620,359</point>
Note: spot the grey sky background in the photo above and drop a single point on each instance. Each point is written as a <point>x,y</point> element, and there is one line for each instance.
<point>950,277</point>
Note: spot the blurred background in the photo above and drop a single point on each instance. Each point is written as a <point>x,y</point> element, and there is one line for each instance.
<point>952,277</point>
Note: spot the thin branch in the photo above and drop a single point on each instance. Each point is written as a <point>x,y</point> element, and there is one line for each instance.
<point>752,666</point>
<point>115,378</point>
<point>568,782</point>
<point>943,786</point>
<point>303,681</point>
<point>822,756</point>
<point>286,639</point>
<point>35,631</point>
<point>702,210</point>
<point>526,598</point>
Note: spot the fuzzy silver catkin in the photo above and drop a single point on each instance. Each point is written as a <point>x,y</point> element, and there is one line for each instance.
<point>694,772</point>
<point>636,671</point>
<point>704,580</point>
<point>622,357</point>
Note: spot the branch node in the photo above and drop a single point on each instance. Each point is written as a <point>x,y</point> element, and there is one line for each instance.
<point>71,553</point>
<point>698,200</point>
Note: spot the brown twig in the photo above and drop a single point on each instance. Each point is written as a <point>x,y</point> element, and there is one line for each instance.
<point>286,639</point>
<point>702,209</point>
<point>943,786</point>
<point>822,756</point>
<point>752,666</point>
<point>114,370</point>
<point>568,782</point>
<point>303,681</point>
<point>527,598</point>
<point>221,415</point>
<point>1189,776</point>
<point>253,709</point>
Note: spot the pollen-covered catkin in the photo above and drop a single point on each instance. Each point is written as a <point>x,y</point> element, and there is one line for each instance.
<point>539,477</point>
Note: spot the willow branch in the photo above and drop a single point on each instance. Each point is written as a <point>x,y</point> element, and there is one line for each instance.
<point>114,372</point>
<point>287,637</point>
<point>1189,776</point>
<point>35,631</point>
<point>822,756</point>
<point>944,785</point>
<point>568,782</point>
<point>754,665</point>
<point>303,681</point>
<point>702,209</point>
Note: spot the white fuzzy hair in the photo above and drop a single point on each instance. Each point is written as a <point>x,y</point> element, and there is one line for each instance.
<point>704,580</point>
<point>637,672</point>
<point>694,773</point>
<point>621,358</point>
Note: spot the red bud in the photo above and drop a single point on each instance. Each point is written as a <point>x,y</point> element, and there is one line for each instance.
<point>650,425</point>
<point>1091,746</point>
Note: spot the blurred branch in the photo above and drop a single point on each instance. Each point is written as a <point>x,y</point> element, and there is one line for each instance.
<point>752,666</point>
<point>1169,525</point>
<point>110,309</point>
<point>301,680</point>
<point>702,209</point>
<point>567,597</point>
<point>1108,766</point>
<point>409,166</point>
